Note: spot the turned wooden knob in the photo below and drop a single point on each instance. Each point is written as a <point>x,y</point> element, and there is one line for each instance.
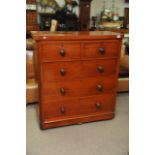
<point>98,105</point>
<point>99,87</point>
<point>101,50</point>
<point>62,91</point>
<point>62,71</point>
<point>62,109</point>
<point>100,69</point>
<point>62,52</point>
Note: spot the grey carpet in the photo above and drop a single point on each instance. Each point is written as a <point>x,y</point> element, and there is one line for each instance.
<point>97,138</point>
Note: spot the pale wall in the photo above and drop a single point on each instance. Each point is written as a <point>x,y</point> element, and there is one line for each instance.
<point>97,5</point>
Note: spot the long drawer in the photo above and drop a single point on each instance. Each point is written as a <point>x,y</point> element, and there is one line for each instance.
<point>79,106</point>
<point>77,88</point>
<point>62,71</point>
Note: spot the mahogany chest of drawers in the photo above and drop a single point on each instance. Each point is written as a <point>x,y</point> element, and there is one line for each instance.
<point>77,75</point>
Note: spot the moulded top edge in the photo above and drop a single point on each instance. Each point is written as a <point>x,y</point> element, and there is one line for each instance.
<point>75,35</point>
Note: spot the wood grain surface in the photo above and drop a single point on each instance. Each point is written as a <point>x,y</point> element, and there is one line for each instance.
<point>77,74</point>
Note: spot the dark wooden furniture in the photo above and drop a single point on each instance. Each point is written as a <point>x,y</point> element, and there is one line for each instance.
<point>45,21</point>
<point>126,17</point>
<point>85,14</point>
<point>31,19</point>
<point>66,22</point>
<point>30,1</point>
<point>77,76</point>
<point>122,30</point>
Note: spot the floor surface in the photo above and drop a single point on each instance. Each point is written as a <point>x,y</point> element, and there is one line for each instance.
<point>98,138</point>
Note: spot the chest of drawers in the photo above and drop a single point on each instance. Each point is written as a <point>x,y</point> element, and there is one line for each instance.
<point>77,75</point>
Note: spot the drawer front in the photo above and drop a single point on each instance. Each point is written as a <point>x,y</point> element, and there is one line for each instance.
<point>61,71</point>
<point>101,50</point>
<point>58,51</point>
<point>99,68</point>
<point>80,106</point>
<point>77,88</point>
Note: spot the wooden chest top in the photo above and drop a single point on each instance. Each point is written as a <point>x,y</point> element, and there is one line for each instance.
<point>45,35</point>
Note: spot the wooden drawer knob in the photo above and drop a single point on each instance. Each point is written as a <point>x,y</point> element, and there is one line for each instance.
<point>62,91</point>
<point>101,50</point>
<point>62,52</point>
<point>99,87</point>
<point>62,71</point>
<point>62,109</point>
<point>98,105</point>
<point>100,69</point>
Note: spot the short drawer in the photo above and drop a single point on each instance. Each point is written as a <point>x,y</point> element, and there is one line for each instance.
<point>58,51</point>
<point>78,88</point>
<point>99,68</point>
<point>61,71</point>
<point>79,106</point>
<point>101,50</point>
